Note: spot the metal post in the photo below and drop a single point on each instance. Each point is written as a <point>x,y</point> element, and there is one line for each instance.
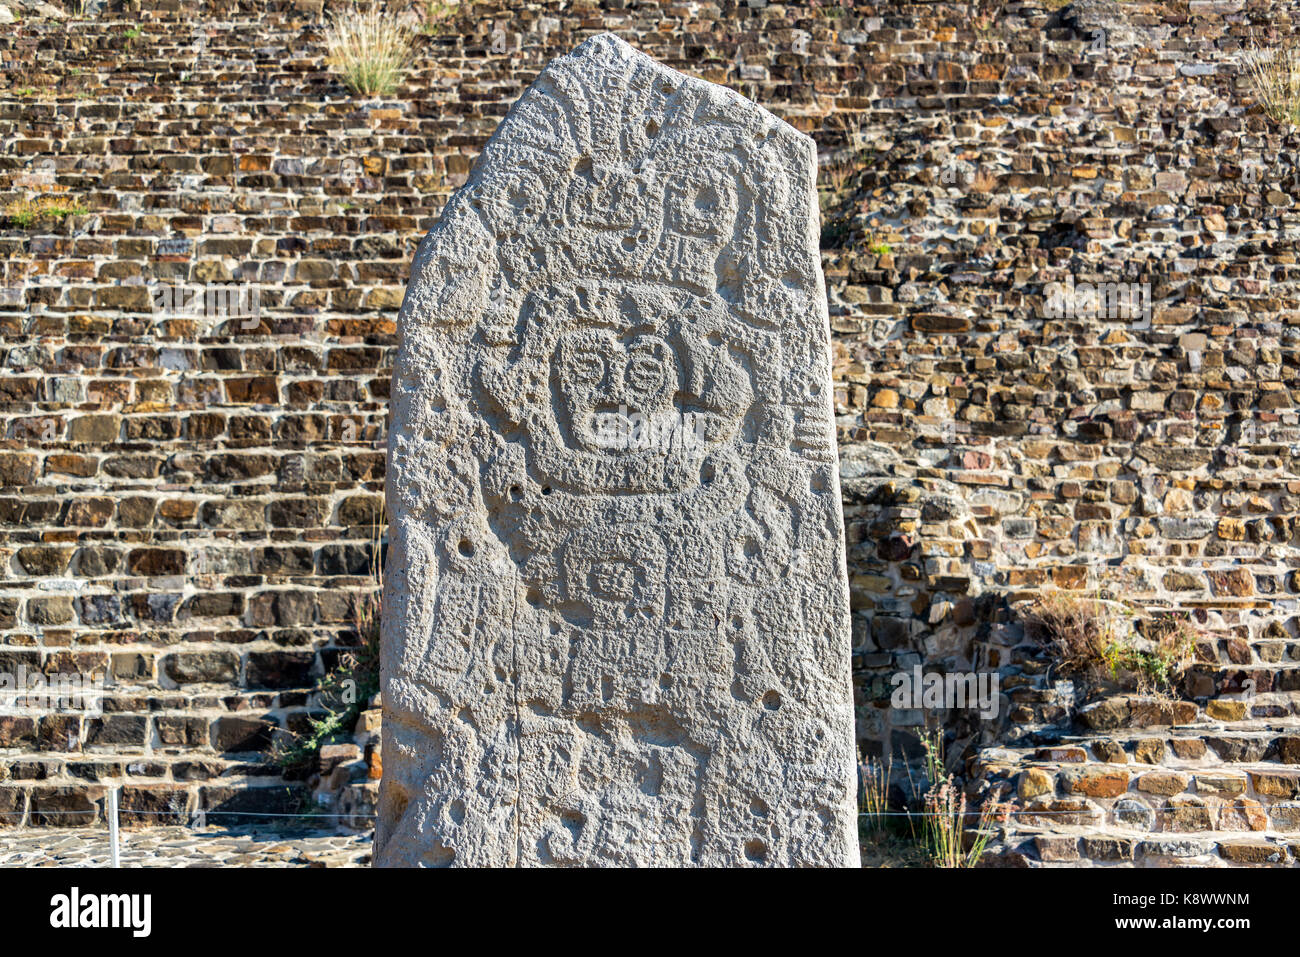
<point>112,825</point>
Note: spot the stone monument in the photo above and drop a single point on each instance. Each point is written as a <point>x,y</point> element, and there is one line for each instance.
<point>616,610</point>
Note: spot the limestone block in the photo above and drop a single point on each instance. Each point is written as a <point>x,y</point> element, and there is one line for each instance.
<point>616,611</point>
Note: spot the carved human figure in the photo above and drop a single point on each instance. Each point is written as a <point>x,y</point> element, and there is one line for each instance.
<point>615,621</point>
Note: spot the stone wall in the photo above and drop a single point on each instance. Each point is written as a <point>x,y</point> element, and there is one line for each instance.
<point>187,505</point>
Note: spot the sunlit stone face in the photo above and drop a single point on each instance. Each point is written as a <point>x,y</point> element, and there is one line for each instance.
<point>600,375</point>
<point>618,627</point>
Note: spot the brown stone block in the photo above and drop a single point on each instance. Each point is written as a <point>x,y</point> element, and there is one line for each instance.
<point>65,806</point>
<point>1283,784</point>
<point>1243,814</point>
<point>1239,852</point>
<point>1034,782</point>
<point>1100,782</point>
<point>1053,849</point>
<point>1187,814</point>
<point>154,805</point>
<point>1162,782</point>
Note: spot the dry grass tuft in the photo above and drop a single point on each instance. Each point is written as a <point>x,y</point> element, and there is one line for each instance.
<point>840,165</point>
<point>1095,640</point>
<point>875,796</point>
<point>47,209</point>
<point>1078,629</point>
<point>948,822</point>
<point>370,48</point>
<point>983,182</point>
<point>1275,76</point>
<point>435,15</point>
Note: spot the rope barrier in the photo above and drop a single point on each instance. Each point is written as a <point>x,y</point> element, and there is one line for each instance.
<point>307,816</point>
<point>303,816</point>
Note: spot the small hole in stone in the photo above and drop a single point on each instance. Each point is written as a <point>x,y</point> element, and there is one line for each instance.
<point>771,701</point>
<point>708,472</point>
<point>533,596</point>
<point>737,623</point>
<point>756,851</point>
<point>665,681</point>
<point>573,822</point>
<point>714,339</point>
<point>466,548</point>
<point>546,490</point>
<point>516,493</point>
<point>758,807</point>
<point>651,129</point>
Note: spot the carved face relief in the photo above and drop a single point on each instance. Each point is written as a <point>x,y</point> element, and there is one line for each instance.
<point>600,375</point>
<point>616,572</point>
<point>619,654</point>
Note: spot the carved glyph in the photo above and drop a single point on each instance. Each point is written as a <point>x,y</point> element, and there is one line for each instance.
<point>615,623</point>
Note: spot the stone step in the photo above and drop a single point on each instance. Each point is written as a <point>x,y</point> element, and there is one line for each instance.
<point>1195,750</point>
<point>1123,849</point>
<point>1126,711</point>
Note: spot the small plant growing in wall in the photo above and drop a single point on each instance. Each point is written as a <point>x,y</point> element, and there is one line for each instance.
<point>85,9</point>
<point>350,686</point>
<point>343,692</point>
<point>831,9</point>
<point>1096,641</point>
<point>1275,78</point>
<point>839,174</point>
<point>26,213</point>
<point>370,49</point>
<point>435,14</point>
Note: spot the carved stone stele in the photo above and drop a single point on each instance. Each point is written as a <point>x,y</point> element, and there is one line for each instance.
<point>615,624</point>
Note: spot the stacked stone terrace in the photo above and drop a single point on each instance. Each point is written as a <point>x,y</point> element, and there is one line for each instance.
<point>188,508</point>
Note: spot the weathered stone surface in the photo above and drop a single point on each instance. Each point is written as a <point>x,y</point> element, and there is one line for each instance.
<point>1251,852</point>
<point>603,647</point>
<point>1028,427</point>
<point>1057,848</point>
<point>1099,781</point>
<point>1035,781</point>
